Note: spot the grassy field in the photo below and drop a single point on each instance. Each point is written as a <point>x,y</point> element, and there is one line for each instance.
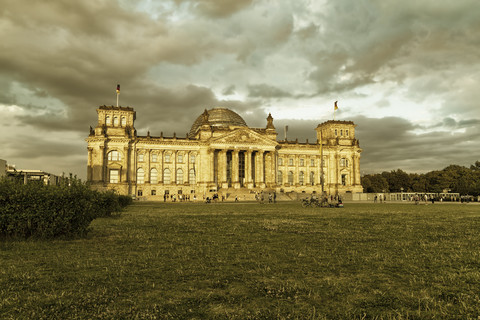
<point>253,261</point>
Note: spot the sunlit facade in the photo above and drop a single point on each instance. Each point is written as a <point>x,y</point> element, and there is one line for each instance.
<point>220,154</point>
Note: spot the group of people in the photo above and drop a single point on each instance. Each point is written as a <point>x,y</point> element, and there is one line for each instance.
<point>381,198</point>
<point>179,197</point>
<point>261,197</point>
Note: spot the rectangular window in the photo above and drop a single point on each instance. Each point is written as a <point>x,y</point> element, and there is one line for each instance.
<point>140,158</point>
<point>344,179</point>
<point>192,158</point>
<point>290,161</point>
<point>342,162</point>
<point>140,193</point>
<point>302,162</point>
<point>346,133</point>
<point>154,157</point>
<point>312,162</point>
<point>280,161</point>
<point>180,158</point>
<point>114,175</point>
<point>154,192</point>
<point>167,157</point>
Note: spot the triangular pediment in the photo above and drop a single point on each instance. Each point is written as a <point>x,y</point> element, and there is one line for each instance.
<point>243,137</point>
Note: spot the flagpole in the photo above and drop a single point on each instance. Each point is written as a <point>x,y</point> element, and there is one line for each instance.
<point>118,93</point>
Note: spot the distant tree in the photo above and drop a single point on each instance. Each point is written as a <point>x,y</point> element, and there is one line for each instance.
<point>436,182</point>
<point>366,183</point>
<point>398,180</point>
<point>454,178</point>
<point>418,183</point>
<point>375,183</point>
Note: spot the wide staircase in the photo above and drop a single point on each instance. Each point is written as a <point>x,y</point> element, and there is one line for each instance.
<point>244,194</point>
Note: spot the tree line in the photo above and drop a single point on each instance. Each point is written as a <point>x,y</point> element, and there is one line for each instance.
<point>454,178</point>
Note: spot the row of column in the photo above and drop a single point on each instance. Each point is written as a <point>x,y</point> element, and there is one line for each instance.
<point>254,172</point>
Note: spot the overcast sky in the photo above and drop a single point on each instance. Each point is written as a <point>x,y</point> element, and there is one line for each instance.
<point>406,72</point>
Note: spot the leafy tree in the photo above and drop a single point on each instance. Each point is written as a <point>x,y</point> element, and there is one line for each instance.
<point>397,179</point>
<point>454,178</point>
<point>375,183</point>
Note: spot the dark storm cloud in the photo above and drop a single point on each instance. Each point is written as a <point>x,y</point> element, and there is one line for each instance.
<point>62,49</point>
<point>390,143</point>
<point>369,41</point>
<point>36,147</point>
<point>175,110</point>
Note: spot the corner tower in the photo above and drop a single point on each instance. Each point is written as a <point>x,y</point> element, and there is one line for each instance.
<point>340,157</point>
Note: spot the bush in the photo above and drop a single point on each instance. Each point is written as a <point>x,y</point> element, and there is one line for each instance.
<point>36,210</point>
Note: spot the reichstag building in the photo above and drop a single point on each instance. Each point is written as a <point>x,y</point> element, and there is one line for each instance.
<point>222,155</point>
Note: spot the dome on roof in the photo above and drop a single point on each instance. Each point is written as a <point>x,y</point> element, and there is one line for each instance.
<point>218,117</point>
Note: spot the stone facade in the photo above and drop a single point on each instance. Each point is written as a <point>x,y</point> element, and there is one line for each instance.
<point>220,154</point>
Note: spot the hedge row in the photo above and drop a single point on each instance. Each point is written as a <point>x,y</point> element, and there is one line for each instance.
<point>36,210</point>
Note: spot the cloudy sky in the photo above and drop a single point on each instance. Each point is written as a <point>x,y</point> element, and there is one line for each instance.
<point>407,72</point>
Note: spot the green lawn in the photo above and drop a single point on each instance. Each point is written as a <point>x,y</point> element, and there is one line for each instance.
<point>253,261</point>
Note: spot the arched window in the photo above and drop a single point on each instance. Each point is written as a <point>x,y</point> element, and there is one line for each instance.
<point>153,176</point>
<point>279,177</point>
<point>140,176</point>
<point>124,122</point>
<point>115,121</point>
<point>301,178</point>
<point>312,178</point>
<point>179,176</point>
<point>167,176</point>
<point>290,177</point>
<point>108,120</point>
<point>114,156</point>
<point>191,176</point>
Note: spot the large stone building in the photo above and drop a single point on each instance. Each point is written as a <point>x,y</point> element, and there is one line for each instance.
<point>220,154</point>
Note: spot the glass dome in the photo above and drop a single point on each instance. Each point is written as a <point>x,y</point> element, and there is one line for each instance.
<point>218,117</point>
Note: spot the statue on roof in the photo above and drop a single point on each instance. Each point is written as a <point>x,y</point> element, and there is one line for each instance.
<point>270,122</point>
